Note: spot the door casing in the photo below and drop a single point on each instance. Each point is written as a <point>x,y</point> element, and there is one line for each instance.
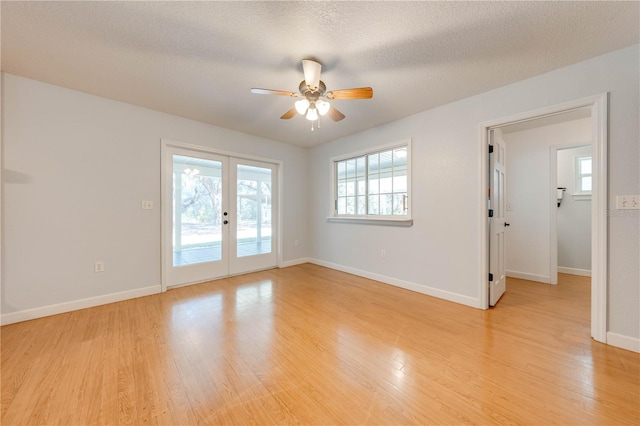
<point>599,267</point>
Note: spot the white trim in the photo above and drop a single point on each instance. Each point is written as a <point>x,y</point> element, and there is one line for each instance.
<point>599,248</point>
<point>1,194</point>
<point>294,262</point>
<point>209,150</point>
<point>279,247</point>
<point>581,196</point>
<point>599,234</point>
<point>60,308</point>
<point>372,150</point>
<point>529,277</point>
<point>574,271</point>
<point>371,221</point>
<point>407,285</point>
<point>623,342</point>
<point>553,213</point>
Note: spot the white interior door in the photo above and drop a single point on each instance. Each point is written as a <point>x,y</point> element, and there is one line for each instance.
<point>497,223</point>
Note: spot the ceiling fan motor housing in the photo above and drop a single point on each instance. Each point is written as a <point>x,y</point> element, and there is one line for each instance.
<point>310,94</point>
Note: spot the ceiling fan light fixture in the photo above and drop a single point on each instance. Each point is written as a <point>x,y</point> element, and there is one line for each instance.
<point>302,106</point>
<point>312,114</point>
<point>322,107</point>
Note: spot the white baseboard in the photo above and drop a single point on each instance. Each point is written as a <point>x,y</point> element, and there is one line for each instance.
<point>623,342</point>
<point>419,288</point>
<point>45,311</point>
<point>529,277</point>
<point>574,271</point>
<point>294,262</point>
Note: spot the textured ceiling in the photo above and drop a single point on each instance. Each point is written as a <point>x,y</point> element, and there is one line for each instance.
<point>199,59</point>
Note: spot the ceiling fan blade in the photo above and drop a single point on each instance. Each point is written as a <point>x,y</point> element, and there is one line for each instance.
<point>274,92</point>
<point>311,73</point>
<point>287,115</point>
<point>358,93</point>
<point>334,114</point>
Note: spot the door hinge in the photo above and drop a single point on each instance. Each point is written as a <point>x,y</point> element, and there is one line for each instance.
<point>490,212</point>
<point>490,149</point>
<point>490,276</point>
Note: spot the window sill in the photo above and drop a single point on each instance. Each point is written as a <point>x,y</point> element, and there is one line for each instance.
<point>371,221</point>
<point>581,196</point>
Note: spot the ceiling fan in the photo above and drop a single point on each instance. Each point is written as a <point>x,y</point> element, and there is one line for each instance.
<point>313,91</point>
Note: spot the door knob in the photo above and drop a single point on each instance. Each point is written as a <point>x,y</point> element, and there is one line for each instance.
<point>507,224</point>
<point>225,222</point>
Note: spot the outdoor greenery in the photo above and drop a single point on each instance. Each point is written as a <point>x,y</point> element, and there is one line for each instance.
<point>201,199</point>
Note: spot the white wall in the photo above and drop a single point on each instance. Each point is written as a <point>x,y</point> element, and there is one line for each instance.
<point>439,254</point>
<point>573,216</point>
<point>75,169</point>
<point>527,186</point>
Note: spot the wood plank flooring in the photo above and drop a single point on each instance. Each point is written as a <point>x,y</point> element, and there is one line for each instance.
<point>311,345</point>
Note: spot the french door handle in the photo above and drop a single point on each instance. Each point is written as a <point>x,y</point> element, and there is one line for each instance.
<point>507,224</point>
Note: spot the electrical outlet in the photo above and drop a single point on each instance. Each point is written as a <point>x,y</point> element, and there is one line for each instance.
<point>147,205</point>
<point>628,202</point>
<point>383,253</point>
<point>99,266</point>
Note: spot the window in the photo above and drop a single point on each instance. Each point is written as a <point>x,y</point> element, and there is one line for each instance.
<point>584,176</point>
<point>373,185</point>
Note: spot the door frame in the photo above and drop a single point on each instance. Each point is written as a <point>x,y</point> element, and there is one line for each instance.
<point>165,144</point>
<point>599,267</point>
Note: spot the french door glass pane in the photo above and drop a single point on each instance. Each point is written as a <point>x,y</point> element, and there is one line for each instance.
<point>197,197</point>
<point>253,211</point>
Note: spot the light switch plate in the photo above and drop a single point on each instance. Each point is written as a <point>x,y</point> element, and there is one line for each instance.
<point>628,202</point>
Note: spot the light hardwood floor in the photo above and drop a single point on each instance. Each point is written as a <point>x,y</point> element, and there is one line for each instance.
<point>311,345</point>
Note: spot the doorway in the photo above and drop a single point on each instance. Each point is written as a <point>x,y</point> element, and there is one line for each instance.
<point>534,206</point>
<point>219,215</point>
<point>571,167</point>
<point>597,106</point>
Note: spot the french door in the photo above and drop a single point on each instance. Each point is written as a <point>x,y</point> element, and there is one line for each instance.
<point>219,215</point>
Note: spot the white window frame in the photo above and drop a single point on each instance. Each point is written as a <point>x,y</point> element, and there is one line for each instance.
<point>394,220</point>
<point>579,194</point>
